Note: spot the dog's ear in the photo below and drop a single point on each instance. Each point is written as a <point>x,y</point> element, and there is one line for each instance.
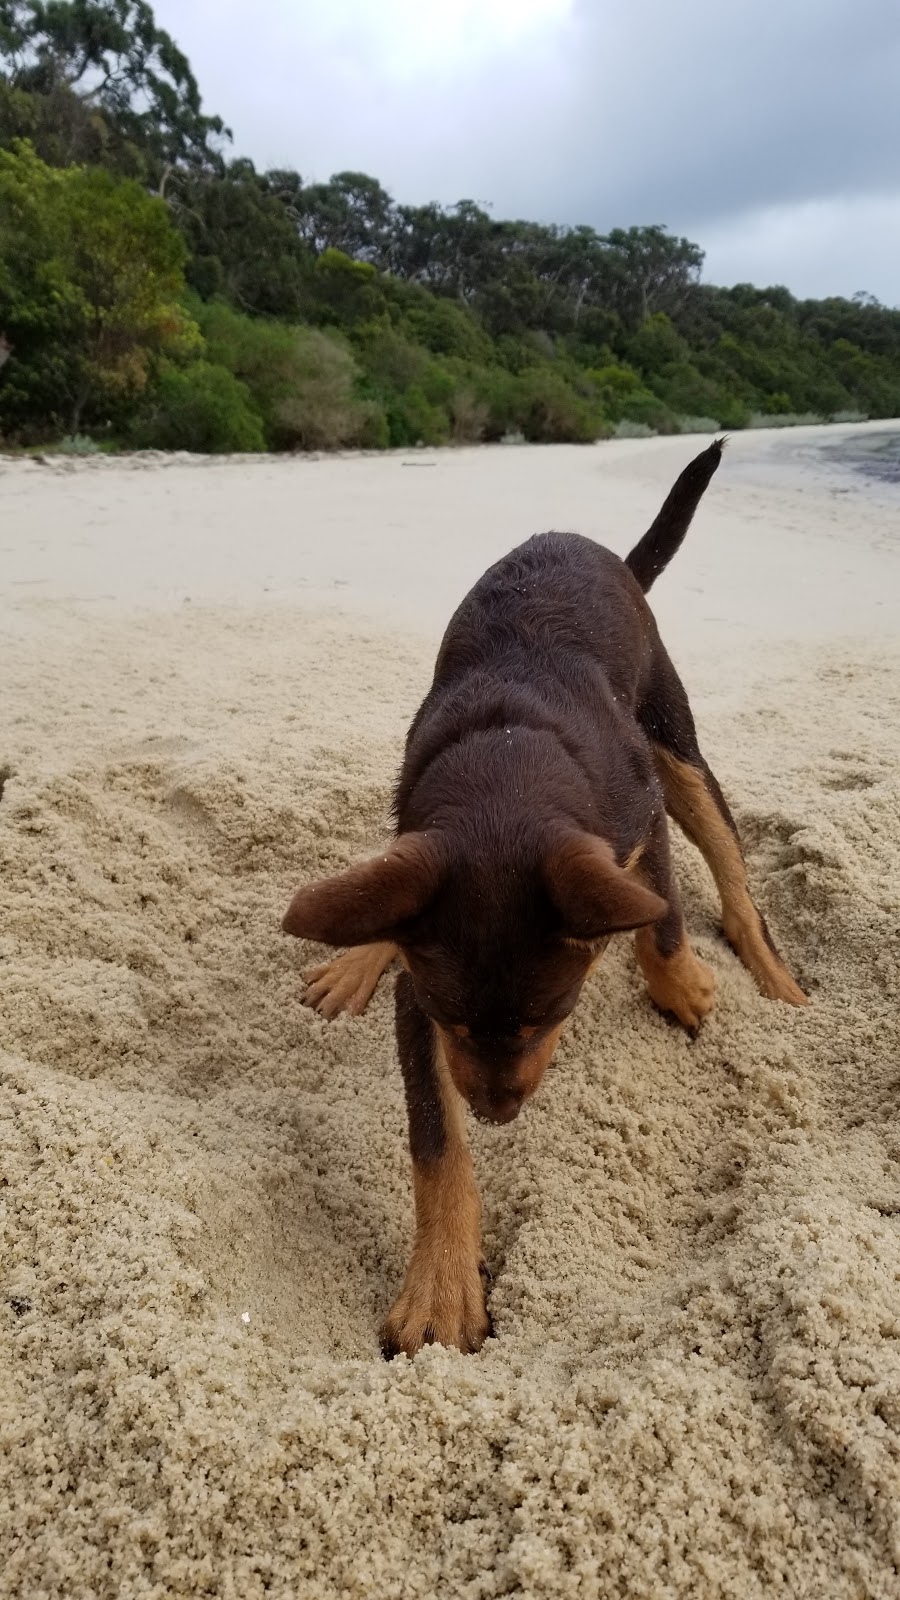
<point>592,893</point>
<point>368,901</point>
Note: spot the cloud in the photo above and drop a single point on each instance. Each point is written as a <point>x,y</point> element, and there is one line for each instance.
<point>820,248</point>
<point>755,127</point>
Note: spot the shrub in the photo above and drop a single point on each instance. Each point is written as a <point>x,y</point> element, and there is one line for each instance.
<point>633,430</point>
<point>643,406</point>
<point>203,408</point>
<point>78,444</point>
<point>447,329</point>
<point>90,274</point>
<point>469,417</point>
<point>260,353</point>
<point>390,361</point>
<point>548,410</point>
<point>785,419</point>
<point>303,381</point>
<point>698,425</point>
<point>412,419</point>
<point>322,410</point>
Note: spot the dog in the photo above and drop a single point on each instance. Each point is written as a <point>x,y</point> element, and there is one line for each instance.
<point>531,826</point>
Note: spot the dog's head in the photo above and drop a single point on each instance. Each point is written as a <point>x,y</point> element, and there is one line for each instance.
<point>498,937</point>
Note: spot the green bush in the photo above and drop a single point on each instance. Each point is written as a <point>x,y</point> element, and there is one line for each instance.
<point>548,410</point>
<point>469,417</point>
<point>698,425</point>
<point>78,444</point>
<point>91,270</point>
<point>644,406</point>
<point>447,329</point>
<point>201,407</point>
<point>634,430</point>
<point>412,419</point>
<point>785,419</point>
<point>304,381</point>
<point>322,410</point>
<point>258,352</point>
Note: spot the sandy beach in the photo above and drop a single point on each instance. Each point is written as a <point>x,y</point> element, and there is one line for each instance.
<point>206,672</point>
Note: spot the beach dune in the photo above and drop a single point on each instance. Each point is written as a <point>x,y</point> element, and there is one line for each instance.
<point>207,670</point>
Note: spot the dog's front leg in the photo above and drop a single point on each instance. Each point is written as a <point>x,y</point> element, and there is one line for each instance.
<point>442,1300</point>
<point>678,980</point>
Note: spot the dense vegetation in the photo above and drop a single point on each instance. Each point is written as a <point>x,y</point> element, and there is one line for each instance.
<point>155,292</point>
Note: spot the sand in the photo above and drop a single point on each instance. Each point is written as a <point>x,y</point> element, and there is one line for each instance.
<point>694,1389</point>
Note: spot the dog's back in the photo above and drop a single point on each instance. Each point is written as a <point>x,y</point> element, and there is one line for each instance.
<point>556,635</point>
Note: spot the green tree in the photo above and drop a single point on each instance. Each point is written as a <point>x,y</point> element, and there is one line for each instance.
<point>201,407</point>
<point>243,241</point>
<point>91,270</point>
<point>350,213</point>
<point>98,80</point>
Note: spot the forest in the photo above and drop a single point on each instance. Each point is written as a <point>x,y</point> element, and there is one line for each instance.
<point>158,292</point>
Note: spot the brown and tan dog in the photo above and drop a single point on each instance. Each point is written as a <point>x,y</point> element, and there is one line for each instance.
<point>531,826</point>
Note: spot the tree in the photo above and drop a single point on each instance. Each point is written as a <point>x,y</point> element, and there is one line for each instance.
<point>243,240</point>
<point>350,213</point>
<point>651,271</point>
<point>91,270</point>
<point>98,80</point>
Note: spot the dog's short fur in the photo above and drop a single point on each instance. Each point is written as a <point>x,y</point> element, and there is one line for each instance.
<point>531,826</point>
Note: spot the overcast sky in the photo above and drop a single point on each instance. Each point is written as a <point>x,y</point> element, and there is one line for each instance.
<point>766,130</point>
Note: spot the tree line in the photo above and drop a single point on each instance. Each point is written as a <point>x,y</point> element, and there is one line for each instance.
<point>156,291</point>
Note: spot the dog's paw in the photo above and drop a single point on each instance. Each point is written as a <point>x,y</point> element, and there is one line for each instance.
<point>439,1304</point>
<point>685,986</point>
<point>775,982</point>
<point>751,942</point>
<point>779,985</point>
<point>348,982</point>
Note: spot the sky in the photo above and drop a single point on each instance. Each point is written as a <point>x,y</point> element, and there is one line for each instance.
<point>768,131</point>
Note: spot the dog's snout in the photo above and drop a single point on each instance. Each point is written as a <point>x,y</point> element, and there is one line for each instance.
<point>496,1083</point>
<point>500,1108</point>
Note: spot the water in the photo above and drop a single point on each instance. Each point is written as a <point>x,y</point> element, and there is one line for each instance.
<point>875,455</point>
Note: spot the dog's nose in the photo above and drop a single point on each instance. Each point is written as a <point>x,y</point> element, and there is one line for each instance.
<point>501,1108</point>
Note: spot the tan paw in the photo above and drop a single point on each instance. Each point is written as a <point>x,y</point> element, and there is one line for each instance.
<point>436,1306</point>
<point>779,985</point>
<point>685,985</point>
<point>349,981</point>
<point>770,974</point>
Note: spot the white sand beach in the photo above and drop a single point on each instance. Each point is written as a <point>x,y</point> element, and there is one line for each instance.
<point>206,673</point>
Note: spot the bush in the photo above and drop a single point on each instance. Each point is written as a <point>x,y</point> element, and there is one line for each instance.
<point>323,411</point>
<point>446,329</point>
<point>78,444</point>
<point>698,425</point>
<point>469,417</point>
<point>548,410</point>
<point>785,419</point>
<point>303,381</point>
<point>203,408</point>
<point>634,430</point>
<point>412,419</point>
<point>91,269</point>
<point>259,353</point>
<point>643,406</point>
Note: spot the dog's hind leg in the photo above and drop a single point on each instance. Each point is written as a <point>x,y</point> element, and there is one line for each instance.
<point>349,981</point>
<point>695,801</point>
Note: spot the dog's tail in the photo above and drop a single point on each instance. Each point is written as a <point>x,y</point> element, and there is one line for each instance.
<point>659,544</point>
